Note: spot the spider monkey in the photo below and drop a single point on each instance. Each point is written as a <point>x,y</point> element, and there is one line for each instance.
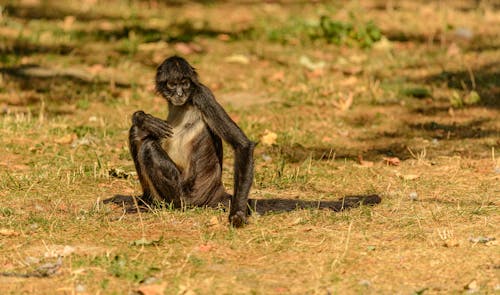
<point>179,160</point>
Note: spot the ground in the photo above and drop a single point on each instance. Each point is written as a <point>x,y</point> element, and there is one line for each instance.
<point>403,103</point>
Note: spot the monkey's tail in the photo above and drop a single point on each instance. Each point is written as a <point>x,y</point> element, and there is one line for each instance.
<point>263,206</point>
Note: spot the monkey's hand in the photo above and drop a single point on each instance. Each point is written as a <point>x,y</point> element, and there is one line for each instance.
<point>154,126</point>
<point>238,219</point>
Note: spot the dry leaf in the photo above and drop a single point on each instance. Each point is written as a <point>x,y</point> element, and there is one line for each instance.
<point>156,289</point>
<point>309,64</point>
<point>453,50</point>
<point>394,161</point>
<point>278,76</point>
<point>326,139</point>
<point>223,37</point>
<point>352,80</point>
<point>343,104</point>
<point>214,221</point>
<point>59,251</point>
<point>409,176</point>
<point>297,221</point>
<point>238,59</point>
<point>68,22</point>
<point>205,248</point>
<point>451,243</point>
<point>316,73</point>
<point>364,163</point>
<point>472,286</point>
<point>383,44</point>
<point>188,48</point>
<point>269,138</point>
<point>354,70</point>
<point>66,139</point>
<point>8,232</point>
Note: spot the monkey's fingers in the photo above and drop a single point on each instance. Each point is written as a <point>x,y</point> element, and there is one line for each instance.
<point>160,129</point>
<point>157,123</point>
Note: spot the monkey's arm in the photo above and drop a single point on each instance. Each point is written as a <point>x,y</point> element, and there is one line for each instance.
<point>151,126</point>
<point>221,124</point>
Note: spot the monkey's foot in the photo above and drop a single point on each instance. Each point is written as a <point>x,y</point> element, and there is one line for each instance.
<point>238,219</point>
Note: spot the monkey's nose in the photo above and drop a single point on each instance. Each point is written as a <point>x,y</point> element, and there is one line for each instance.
<point>179,91</point>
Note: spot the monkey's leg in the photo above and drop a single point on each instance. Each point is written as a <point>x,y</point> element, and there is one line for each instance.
<point>136,137</point>
<point>163,178</point>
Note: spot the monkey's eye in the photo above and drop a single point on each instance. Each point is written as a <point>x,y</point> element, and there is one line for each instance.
<point>185,84</point>
<point>170,85</point>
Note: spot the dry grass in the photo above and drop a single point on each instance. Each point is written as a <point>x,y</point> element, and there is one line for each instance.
<point>64,127</point>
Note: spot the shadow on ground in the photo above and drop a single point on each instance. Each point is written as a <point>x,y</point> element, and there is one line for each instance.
<point>133,204</point>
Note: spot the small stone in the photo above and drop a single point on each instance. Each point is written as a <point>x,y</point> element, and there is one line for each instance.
<point>481,239</point>
<point>31,260</point>
<point>365,283</point>
<point>80,288</point>
<point>413,196</point>
<point>472,287</point>
<point>464,33</point>
<point>266,158</point>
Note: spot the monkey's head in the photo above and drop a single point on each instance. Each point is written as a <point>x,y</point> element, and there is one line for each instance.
<point>175,80</point>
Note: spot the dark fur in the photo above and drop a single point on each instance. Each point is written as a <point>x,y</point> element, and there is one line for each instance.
<point>179,161</point>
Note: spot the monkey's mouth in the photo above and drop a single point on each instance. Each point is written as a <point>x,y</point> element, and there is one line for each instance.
<point>178,100</point>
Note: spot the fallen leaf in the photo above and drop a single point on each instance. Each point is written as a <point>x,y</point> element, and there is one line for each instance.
<point>352,80</point>
<point>223,37</point>
<point>156,289</point>
<point>205,248</point>
<point>383,44</point>
<point>394,161</point>
<point>278,76</point>
<point>95,69</point>
<point>297,221</point>
<point>316,73</point>
<point>188,48</point>
<point>409,176</point>
<point>66,139</point>
<point>269,138</point>
<point>472,286</point>
<point>343,104</point>
<point>146,242</point>
<point>481,239</point>
<point>214,221</point>
<point>238,59</point>
<point>453,50</point>
<point>310,65</point>
<point>354,70</point>
<point>326,139</point>
<point>8,232</point>
<point>68,22</point>
<point>60,252</point>
<point>451,243</point>
<point>266,158</point>
<point>364,163</point>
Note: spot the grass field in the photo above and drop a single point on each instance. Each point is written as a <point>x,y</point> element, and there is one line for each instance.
<point>397,98</point>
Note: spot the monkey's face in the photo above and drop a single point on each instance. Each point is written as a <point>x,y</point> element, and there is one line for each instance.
<point>175,80</point>
<point>177,91</point>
